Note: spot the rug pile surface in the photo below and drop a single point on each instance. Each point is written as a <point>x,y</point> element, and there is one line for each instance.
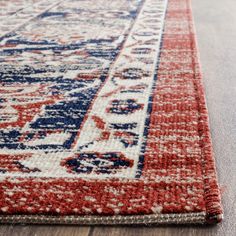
<point>102,114</point>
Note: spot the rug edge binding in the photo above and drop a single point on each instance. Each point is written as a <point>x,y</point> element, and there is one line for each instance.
<point>154,219</point>
<point>214,210</point>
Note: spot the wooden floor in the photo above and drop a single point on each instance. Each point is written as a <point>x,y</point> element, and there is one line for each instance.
<point>215,22</point>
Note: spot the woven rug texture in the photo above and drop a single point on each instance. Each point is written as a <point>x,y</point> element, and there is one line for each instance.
<point>103,115</point>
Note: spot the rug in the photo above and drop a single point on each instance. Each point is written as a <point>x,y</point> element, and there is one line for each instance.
<point>103,116</point>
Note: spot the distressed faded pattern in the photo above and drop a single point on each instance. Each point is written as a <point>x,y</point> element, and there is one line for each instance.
<point>102,114</point>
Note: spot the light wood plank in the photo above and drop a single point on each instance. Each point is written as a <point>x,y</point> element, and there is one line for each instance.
<point>155,231</point>
<point>44,230</point>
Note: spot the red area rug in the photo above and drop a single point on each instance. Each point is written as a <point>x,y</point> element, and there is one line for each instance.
<point>103,115</point>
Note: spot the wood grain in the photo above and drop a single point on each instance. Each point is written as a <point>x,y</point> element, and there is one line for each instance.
<point>152,231</point>
<point>44,230</point>
<point>216,31</point>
